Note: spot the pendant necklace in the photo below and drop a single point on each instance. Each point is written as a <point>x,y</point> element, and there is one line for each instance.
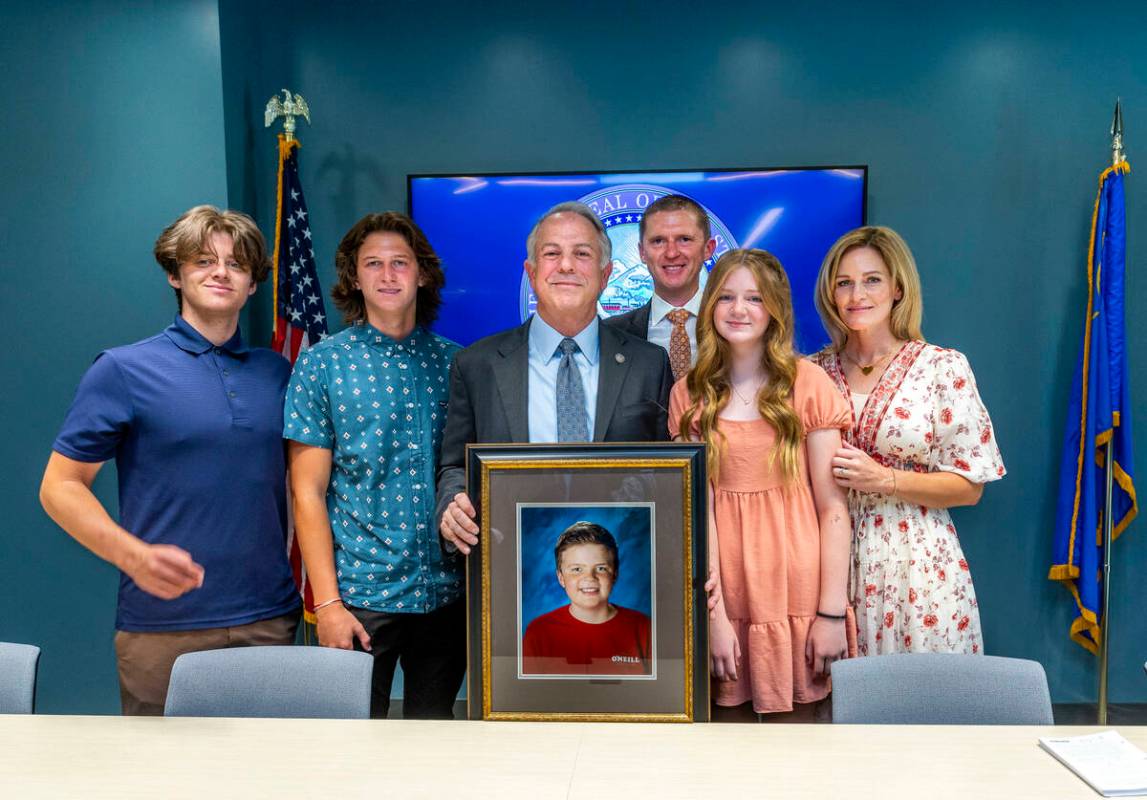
<point>866,369</point>
<point>740,396</point>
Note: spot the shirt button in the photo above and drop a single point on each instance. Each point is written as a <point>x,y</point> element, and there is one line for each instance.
<point>230,394</point>
<point>218,350</point>
<point>226,372</point>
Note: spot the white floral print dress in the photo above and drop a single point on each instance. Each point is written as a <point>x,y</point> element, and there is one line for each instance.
<point>910,584</point>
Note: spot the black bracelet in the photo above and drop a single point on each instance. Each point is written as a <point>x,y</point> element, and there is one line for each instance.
<point>823,615</point>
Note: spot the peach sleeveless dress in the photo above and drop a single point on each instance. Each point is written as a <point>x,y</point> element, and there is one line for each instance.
<point>769,539</point>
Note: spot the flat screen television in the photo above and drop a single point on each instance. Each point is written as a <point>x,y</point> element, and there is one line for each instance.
<point>478,225</point>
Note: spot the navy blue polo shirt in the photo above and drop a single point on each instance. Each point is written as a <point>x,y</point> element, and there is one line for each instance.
<point>196,433</point>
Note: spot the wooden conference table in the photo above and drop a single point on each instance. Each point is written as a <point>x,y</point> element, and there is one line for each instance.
<point>116,757</point>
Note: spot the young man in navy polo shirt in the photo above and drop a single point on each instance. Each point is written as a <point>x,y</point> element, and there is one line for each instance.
<point>364,415</point>
<point>193,418</point>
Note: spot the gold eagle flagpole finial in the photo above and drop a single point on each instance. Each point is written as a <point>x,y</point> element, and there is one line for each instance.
<point>288,108</point>
<point>1116,134</point>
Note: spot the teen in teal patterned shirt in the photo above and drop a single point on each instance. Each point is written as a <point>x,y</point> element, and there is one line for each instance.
<point>364,416</point>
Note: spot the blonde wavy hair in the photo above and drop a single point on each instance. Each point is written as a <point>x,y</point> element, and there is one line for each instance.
<point>893,250</point>
<point>708,383</point>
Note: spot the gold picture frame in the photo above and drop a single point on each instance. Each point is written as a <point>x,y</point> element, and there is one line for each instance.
<point>653,497</point>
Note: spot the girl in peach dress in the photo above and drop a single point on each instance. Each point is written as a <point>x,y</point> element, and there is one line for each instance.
<point>778,522</point>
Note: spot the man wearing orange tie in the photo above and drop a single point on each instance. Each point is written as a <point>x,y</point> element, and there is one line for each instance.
<point>676,240</point>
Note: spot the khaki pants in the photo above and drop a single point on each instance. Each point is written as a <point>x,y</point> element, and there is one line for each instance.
<point>144,660</point>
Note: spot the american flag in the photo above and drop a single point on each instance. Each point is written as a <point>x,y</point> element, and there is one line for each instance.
<point>300,314</point>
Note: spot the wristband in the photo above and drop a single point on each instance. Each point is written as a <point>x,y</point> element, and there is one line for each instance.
<point>837,617</point>
<point>326,603</point>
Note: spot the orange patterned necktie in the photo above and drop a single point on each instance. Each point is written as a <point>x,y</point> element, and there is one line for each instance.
<point>679,352</point>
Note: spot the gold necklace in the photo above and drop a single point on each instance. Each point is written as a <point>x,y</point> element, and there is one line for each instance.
<point>866,369</point>
<point>740,396</point>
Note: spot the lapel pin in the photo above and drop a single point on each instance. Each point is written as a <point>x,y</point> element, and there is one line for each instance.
<point>619,358</point>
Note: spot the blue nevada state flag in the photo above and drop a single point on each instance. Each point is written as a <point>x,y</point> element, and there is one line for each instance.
<point>1099,412</point>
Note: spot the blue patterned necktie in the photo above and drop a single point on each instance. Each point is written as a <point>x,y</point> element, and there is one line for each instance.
<point>572,425</point>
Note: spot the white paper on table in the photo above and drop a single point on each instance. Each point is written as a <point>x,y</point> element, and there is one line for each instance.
<point>1110,764</point>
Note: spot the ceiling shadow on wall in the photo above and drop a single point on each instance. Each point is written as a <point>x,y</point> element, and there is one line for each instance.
<point>351,183</point>
<point>244,195</point>
<point>247,184</point>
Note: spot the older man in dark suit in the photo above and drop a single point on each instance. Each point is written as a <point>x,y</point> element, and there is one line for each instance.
<point>675,241</point>
<point>560,377</point>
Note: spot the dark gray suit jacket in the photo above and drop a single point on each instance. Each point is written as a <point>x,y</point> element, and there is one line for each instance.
<point>635,322</point>
<point>488,386</point>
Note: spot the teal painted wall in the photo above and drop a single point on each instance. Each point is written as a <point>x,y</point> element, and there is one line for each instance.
<point>984,130</point>
<point>113,126</point>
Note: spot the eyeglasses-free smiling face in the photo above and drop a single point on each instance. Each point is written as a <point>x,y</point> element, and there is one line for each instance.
<point>739,316</point>
<point>863,290</point>
<point>213,283</point>
<point>674,250</point>
<point>566,273</point>
<point>387,274</point>
<point>587,574</point>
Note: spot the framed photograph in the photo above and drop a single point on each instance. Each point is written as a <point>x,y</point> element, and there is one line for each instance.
<point>585,594</point>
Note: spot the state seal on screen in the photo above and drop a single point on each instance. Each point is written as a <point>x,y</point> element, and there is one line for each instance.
<point>620,209</point>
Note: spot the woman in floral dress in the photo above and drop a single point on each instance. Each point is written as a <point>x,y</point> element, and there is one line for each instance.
<point>921,442</point>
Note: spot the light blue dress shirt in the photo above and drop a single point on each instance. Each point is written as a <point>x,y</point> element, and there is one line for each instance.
<point>544,358</point>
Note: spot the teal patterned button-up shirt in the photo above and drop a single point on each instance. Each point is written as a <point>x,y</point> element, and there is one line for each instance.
<point>379,406</point>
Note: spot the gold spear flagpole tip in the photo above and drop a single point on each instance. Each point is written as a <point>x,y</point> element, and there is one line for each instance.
<point>1117,133</point>
<point>288,108</point>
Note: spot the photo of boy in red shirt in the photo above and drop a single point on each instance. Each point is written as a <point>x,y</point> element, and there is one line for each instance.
<point>590,636</point>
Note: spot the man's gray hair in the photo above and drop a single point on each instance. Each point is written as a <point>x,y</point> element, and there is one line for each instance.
<point>571,207</point>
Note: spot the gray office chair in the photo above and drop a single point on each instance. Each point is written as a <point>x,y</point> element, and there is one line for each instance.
<point>18,677</point>
<point>291,681</point>
<point>940,689</point>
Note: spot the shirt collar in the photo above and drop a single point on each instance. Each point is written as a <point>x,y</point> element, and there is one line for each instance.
<point>660,308</point>
<point>544,340</point>
<point>187,338</point>
<point>363,331</point>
